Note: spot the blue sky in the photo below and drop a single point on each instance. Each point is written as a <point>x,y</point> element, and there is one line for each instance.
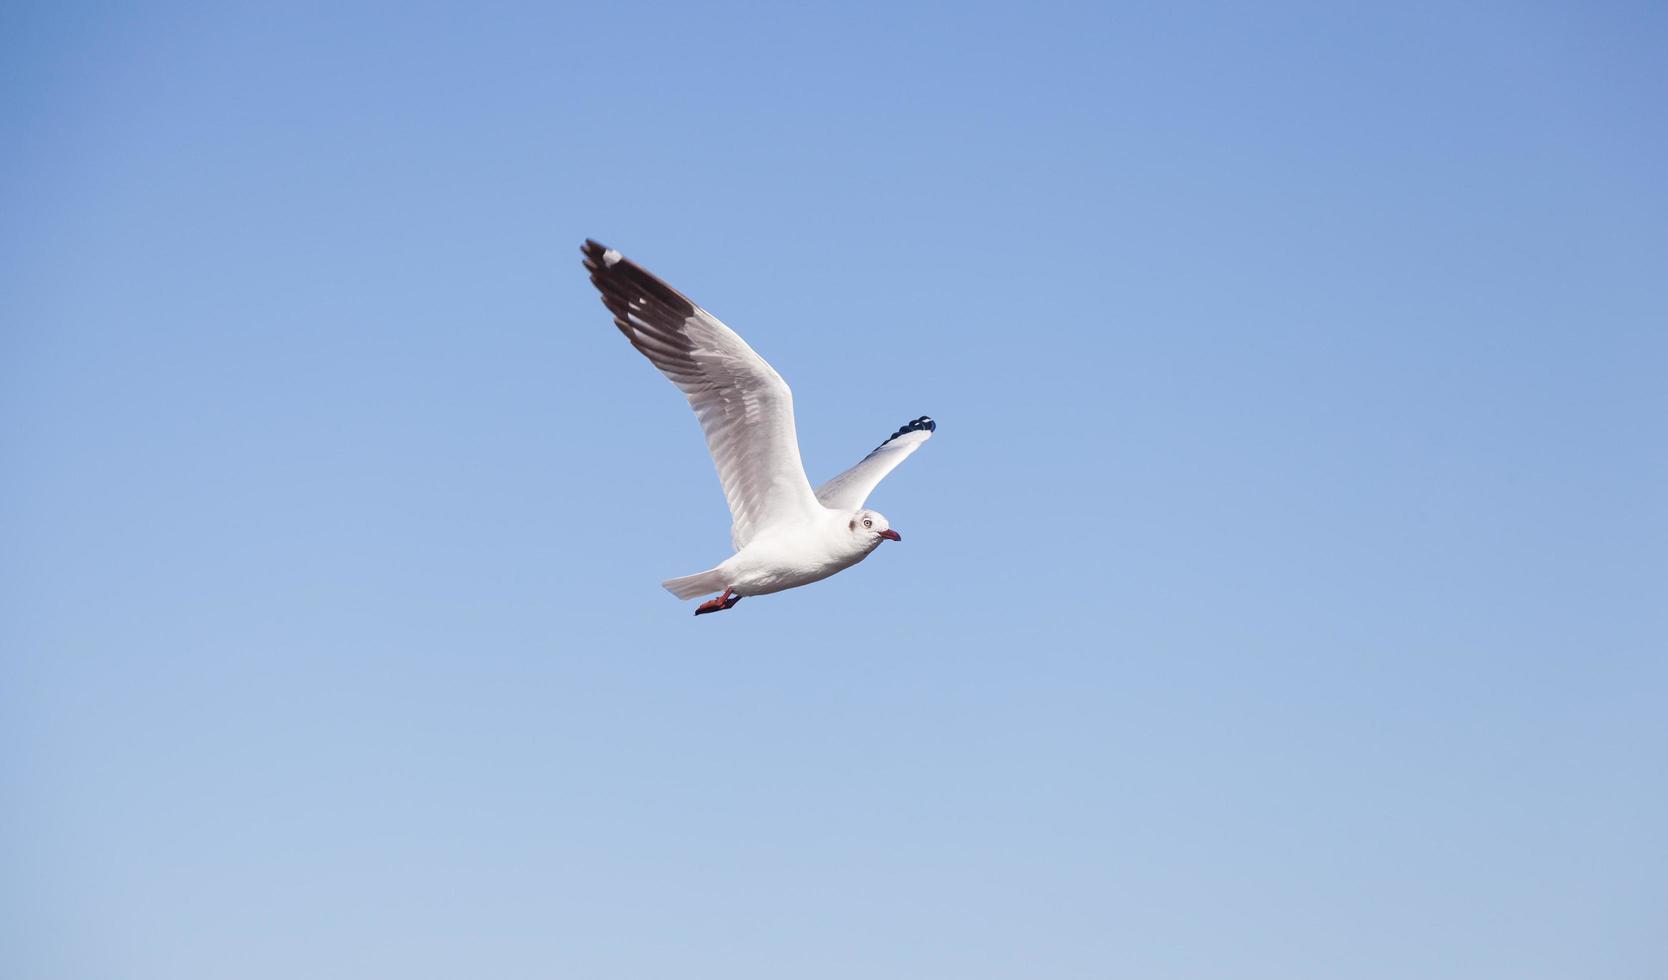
<point>1282,595</point>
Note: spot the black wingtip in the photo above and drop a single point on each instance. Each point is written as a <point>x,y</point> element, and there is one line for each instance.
<point>595,253</point>
<point>914,425</point>
<point>629,290</point>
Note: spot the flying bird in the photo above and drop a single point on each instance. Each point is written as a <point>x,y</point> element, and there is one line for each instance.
<point>785,534</point>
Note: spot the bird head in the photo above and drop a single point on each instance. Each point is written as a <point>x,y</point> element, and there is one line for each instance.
<point>872,527</point>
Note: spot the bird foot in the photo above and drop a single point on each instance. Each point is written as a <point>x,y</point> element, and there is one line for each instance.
<point>719,604</point>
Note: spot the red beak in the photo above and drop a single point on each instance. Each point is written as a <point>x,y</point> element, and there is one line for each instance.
<point>891,535</point>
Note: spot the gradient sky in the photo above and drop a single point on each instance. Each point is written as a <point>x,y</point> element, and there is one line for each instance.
<point>1284,594</point>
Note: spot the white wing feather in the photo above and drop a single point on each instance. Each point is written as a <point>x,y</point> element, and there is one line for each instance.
<point>850,489</point>
<point>744,406</point>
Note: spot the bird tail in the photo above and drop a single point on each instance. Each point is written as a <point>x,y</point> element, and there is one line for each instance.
<point>701,583</point>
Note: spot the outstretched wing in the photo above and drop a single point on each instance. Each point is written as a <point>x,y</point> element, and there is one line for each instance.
<point>744,406</point>
<point>848,490</point>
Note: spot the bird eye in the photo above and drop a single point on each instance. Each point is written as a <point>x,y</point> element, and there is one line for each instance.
<point>868,523</point>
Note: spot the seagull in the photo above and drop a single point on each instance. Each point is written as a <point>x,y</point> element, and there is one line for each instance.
<point>785,534</point>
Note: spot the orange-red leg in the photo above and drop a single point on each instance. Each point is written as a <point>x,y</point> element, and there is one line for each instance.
<point>725,601</point>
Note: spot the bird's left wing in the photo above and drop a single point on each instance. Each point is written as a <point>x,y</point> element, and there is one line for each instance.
<point>848,490</point>
<point>744,406</point>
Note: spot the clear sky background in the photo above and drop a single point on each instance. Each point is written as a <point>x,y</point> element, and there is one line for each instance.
<point>1283,595</point>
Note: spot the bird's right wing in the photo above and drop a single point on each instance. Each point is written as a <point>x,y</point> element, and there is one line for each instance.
<point>745,408</point>
<point>848,490</point>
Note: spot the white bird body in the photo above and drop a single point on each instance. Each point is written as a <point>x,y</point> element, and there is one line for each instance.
<point>785,534</point>
<point>787,556</point>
